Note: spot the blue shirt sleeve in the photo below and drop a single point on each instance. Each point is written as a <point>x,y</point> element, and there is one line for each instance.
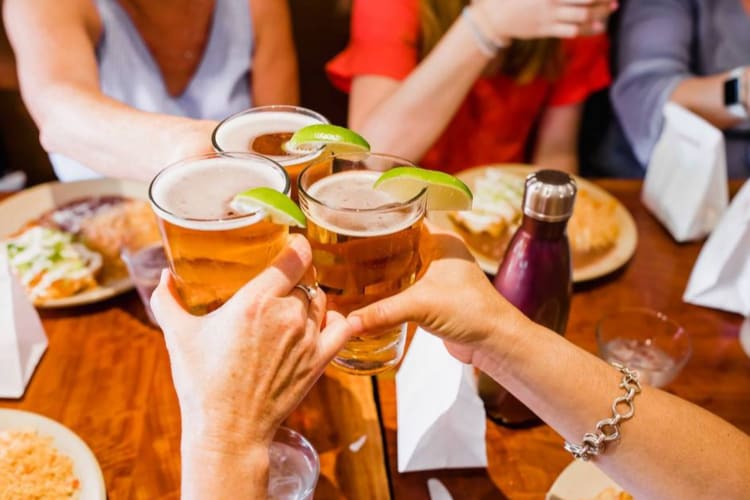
<point>654,56</point>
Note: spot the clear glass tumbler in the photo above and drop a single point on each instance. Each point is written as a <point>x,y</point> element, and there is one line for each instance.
<point>644,340</point>
<point>294,467</point>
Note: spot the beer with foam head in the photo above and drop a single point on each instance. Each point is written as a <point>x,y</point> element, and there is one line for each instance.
<point>365,247</point>
<point>264,130</point>
<point>212,250</point>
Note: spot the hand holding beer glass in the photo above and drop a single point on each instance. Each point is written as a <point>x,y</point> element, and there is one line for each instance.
<point>212,249</point>
<point>365,246</point>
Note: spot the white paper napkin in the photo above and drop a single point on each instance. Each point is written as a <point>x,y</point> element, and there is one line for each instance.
<point>22,337</point>
<point>721,276</point>
<point>686,179</point>
<point>441,420</point>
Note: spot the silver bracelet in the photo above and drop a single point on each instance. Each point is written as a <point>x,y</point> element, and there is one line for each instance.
<point>484,43</point>
<point>609,429</point>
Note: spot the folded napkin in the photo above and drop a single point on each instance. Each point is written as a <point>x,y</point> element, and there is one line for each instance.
<point>686,180</point>
<point>441,420</point>
<point>22,337</point>
<point>721,276</point>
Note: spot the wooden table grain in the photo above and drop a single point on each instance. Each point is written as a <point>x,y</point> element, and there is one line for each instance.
<point>106,376</point>
<point>523,464</point>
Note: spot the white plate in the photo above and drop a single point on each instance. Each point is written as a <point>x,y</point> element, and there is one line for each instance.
<point>85,466</point>
<point>580,480</point>
<point>615,258</point>
<point>30,204</point>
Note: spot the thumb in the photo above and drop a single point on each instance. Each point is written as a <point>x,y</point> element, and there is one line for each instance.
<point>387,313</point>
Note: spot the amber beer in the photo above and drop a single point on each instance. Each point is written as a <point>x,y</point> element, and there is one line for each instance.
<point>213,251</point>
<point>264,130</point>
<point>365,248</point>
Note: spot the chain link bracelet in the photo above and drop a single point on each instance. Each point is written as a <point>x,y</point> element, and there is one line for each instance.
<point>608,429</point>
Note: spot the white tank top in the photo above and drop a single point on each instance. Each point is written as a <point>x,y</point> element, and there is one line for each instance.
<point>129,73</point>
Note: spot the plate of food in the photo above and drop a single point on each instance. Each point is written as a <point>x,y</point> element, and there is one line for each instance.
<point>41,458</point>
<point>602,233</point>
<point>64,240</point>
<point>585,481</point>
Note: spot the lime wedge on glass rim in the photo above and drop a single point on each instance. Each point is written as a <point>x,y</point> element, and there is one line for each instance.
<point>444,191</point>
<point>337,139</point>
<point>278,207</point>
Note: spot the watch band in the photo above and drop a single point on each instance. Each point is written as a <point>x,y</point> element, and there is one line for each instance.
<point>734,93</point>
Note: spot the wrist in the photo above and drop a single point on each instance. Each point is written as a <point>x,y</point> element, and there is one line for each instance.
<point>501,339</point>
<point>224,433</point>
<point>492,16</point>
<point>216,473</point>
<point>487,41</point>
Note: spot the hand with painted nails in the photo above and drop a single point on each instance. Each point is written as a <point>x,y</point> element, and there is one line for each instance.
<point>240,370</point>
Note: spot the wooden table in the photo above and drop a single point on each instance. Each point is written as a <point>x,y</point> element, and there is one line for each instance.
<point>106,376</point>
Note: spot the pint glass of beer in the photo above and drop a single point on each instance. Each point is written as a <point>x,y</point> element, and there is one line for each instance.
<point>213,251</point>
<point>264,130</point>
<point>365,246</point>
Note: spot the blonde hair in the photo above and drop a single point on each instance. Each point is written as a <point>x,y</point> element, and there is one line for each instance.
<point>524,60</point>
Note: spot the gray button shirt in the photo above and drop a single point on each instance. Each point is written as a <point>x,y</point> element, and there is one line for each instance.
<point>663,42</point>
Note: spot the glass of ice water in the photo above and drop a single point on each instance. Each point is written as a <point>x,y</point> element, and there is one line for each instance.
<point>294,467</point>
<point>644,340</point>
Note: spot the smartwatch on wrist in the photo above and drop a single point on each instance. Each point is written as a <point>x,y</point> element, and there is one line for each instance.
<point>734,93</point>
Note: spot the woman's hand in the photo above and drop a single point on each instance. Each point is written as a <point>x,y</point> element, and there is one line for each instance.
<point>242,369</point>
<point>527,19</point>
<point>453,300</point>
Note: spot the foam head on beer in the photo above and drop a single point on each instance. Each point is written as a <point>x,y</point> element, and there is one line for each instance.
<point>356,209</point>
<point>264,132</point>
<point>197,195</point>
<point>213,251</point>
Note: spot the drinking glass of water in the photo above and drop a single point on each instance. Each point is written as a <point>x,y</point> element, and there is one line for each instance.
<point>644,340</point>
<point>294,467</point>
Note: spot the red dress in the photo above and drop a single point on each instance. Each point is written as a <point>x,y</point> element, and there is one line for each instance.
<point>498,116</point>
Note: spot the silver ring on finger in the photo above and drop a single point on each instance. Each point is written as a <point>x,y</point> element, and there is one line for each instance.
<point>310,291</point>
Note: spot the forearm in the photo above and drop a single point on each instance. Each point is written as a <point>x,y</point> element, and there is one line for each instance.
<point>208,475</point>
<point>669,449</point>
<point>110,137</point>
<point>704,96</point>
<point>218,462</point>
<point>408,121</point>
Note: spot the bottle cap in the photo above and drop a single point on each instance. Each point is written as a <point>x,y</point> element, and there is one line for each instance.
<point>549,196</point>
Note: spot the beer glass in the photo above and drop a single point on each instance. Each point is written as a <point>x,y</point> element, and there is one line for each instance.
<point>213,251</point>
<point>365,246</point>
<point>264,130</point>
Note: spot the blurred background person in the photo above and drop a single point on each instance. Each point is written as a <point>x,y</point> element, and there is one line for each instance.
<point>454,84</point>
<point>694,53</point>
<point>125,87</point>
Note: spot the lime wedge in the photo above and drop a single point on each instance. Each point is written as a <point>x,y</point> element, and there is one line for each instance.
<point>444,191</point>
<point>338,139</point>
<point>279,208</point>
